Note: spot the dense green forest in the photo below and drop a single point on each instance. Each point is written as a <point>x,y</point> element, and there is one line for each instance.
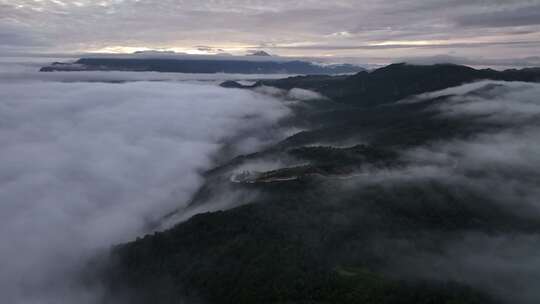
<point>332,224</point>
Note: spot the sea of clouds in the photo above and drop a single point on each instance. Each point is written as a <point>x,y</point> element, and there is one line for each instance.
<point>89,160</point>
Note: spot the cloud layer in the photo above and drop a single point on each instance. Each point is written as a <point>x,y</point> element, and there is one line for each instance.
<point>371,29</point>
<point>87,165</point>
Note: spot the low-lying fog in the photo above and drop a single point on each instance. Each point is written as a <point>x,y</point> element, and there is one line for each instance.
<point>499,164</point>
<point>85,165</point>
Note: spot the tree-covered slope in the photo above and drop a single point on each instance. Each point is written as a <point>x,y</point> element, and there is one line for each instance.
<point>379,204</point>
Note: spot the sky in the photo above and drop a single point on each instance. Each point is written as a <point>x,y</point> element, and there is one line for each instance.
<point>367,29</point>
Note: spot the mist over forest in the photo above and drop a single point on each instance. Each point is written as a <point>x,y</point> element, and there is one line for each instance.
<point>239,152</point>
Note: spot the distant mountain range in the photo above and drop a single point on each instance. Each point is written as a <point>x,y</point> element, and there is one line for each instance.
<point>258,63</point>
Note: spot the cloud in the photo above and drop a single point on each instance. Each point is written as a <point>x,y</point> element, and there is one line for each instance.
<point>499,166</point>
<point>500,160</point>
<point>16,37</point>
<point>87,165</point>
<point>301,94</point>
<point>522,16</point>
<point>413,44</point>
<point>308,28</point>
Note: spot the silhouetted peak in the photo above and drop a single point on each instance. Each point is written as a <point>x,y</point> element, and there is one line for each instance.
<point>259,53</point>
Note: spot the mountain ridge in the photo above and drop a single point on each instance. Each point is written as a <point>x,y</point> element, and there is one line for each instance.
<point>202,66</point>
<point>393,82</point>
